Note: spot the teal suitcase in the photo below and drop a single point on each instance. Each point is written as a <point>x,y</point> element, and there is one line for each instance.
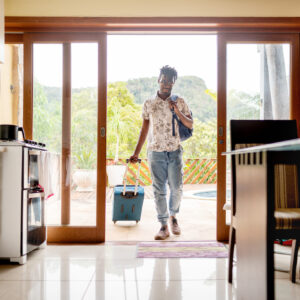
<point>128,200</point>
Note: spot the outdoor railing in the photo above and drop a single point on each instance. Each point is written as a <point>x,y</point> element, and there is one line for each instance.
<point>195,171</point>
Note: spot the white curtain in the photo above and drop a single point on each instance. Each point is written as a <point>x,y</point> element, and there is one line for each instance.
<point>274,83</point>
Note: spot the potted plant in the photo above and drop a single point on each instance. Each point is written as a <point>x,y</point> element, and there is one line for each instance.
<point>119,127</point>
<point>85,174</point>
<point>84,139</point>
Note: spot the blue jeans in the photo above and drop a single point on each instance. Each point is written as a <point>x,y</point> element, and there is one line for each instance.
<point>166,167</point>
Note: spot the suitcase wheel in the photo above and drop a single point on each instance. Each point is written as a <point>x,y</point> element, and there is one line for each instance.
<point>115,222</point>
<point>136,221</point>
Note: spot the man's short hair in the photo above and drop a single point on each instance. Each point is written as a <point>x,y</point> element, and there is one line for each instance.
<point>169,72</point>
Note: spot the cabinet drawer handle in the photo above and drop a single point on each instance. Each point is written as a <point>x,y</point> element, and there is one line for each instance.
<point>36,195</point>
<point>34,152</point>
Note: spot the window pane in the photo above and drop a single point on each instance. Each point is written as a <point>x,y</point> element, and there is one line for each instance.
<point>84,133</point>
<point>47,118</point>
<point>258,84</point>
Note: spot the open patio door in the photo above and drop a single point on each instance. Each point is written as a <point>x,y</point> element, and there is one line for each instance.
<point>258,78</point>
<point>65,107</point>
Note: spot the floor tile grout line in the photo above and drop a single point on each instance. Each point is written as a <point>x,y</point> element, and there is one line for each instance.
<point>44,280</point>
<point>162,280</point>
<point>139,280</point>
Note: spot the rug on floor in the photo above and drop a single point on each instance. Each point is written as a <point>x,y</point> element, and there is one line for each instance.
<point>200,249</point>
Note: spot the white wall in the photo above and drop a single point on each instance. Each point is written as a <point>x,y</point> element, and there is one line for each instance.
<point>1,31</point>
<point>6,99</point>
<point>140,8</point>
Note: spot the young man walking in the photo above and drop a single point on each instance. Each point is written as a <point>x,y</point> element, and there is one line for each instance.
<point>164,149</point>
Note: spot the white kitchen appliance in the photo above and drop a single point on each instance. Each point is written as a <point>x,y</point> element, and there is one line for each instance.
<point>22,216</point>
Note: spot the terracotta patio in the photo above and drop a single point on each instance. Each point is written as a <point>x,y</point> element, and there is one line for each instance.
<point>197,216</point>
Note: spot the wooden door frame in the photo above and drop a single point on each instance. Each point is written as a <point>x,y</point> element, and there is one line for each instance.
<point>225,29</point>
<point>17,24</point>
<point>223,40</point>
<point>59,234</point>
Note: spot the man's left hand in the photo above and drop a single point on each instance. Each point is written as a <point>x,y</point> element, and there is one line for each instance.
<point>173,106</point>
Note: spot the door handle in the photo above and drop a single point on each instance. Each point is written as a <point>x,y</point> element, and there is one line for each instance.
<point>102,131</point>
<point>221,131</point>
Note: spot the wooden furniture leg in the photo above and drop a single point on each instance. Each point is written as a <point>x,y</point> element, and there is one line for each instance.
<point>294,256</point>
<point>231,251</point>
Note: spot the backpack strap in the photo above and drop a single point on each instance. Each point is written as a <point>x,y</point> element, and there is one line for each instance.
<point>173,121</point>
<point>173,98</point>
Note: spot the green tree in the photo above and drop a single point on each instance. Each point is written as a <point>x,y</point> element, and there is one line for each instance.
<point>46,119</point>
<point>203,143</point>
<point>84,128</point>
<point>243,106</point>
<point>191,88</point>
<point>123,120</point>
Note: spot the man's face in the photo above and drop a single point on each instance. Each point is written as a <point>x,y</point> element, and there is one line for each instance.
<point>165,85</point>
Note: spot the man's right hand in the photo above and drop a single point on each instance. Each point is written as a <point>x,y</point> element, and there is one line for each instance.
<point>134,158</point>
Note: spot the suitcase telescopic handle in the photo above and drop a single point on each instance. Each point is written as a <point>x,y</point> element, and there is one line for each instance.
<point>136,178</point>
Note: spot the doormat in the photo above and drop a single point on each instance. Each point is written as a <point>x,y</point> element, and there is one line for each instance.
<point>201,249</point>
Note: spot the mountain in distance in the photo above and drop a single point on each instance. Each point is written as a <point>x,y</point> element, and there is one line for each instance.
<point>191,88</point>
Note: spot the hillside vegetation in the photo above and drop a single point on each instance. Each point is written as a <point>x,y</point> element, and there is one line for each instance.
<point>191,88</point>
<point>124,106</point>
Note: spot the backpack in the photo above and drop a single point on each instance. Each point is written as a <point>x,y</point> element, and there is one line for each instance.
<point>184,132</point>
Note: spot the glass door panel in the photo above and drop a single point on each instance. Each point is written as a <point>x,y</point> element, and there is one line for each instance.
<point>61,95</point>
<point>258,87</point>
<point>84,108</point>
<point>47,120</point>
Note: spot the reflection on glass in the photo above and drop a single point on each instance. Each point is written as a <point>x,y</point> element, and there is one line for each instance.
<point>34,213</point>
<point>33,171</point>
<point>261,91</point>
<point>167,268</point>
<point>84,133</point>
<point>47,117</point>
<point>47,98</point>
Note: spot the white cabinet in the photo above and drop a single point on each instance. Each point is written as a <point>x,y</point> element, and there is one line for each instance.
<point>1,31</point>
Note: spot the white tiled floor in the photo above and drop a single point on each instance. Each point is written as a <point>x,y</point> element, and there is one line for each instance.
<point>113,272</point>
